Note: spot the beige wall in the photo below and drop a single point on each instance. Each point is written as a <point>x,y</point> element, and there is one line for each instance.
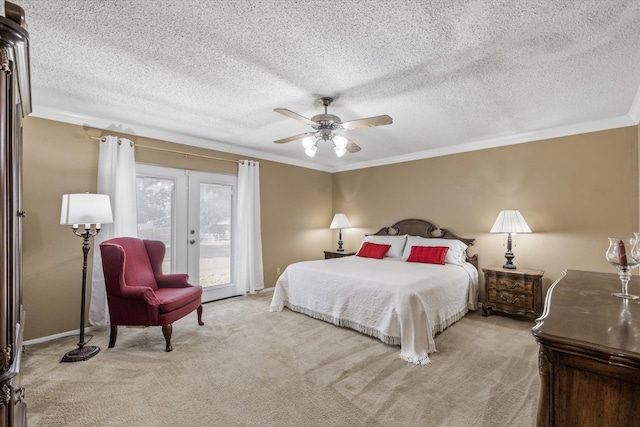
<point>61,158</point>
<point>574,192</point>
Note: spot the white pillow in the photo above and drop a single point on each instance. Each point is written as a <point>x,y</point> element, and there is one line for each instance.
<point>455,255</point>
<point>397,244</point>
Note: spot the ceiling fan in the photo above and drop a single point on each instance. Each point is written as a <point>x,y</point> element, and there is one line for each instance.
<point>326,125</point>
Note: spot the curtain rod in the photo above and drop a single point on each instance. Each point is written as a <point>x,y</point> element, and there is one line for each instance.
<point>102,139</point>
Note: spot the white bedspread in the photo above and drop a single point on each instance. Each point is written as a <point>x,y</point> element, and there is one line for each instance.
<point>398,302</point>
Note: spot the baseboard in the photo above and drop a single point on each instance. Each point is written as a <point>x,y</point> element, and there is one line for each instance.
<point>96,328</point>
<point>62,335</point>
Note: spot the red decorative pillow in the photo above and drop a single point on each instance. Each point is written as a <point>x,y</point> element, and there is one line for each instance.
<point>428,254</point>
<point>373,250</point>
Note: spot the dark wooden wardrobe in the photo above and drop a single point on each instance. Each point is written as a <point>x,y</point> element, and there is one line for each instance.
<point>15,103</point>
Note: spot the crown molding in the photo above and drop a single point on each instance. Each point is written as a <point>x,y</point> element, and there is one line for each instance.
<point>634,111</point>
<point>556,132</point>
<point>163,135</point>
<point>630,119</point>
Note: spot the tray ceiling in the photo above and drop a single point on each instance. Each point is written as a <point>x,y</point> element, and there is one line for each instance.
<point>454,76</point>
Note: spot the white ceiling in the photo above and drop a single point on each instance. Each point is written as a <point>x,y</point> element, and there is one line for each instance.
<point>453,75</point>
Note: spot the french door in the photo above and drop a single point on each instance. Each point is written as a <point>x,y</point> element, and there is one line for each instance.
<point>192,212</point>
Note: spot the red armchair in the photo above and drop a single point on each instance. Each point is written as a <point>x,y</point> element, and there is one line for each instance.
<point>138,293</point>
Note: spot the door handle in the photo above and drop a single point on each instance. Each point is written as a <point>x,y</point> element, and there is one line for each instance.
<point>192,241</point>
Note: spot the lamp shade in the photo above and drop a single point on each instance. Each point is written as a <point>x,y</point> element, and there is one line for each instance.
<point>510,221</point>
<point>340,145</point>
<point>340,221</point>
<point>310,145</point>
<point>85,208</point>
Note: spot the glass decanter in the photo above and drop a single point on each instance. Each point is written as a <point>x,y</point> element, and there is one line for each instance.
<point>621,255</point>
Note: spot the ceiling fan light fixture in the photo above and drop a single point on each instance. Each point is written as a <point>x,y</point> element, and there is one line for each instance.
<point>340,145</point>
<point>340,141</point>
<point>325,125</point>
<point>309,142</point>
<point>310,145</point>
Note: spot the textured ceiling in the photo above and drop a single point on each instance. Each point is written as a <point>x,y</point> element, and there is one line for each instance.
<point>453,75</point>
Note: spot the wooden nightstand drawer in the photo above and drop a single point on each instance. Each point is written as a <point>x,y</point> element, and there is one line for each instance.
<point>513,291</point>
<point>337,254</point>
<point>511,301</point>
<point>510,285</point>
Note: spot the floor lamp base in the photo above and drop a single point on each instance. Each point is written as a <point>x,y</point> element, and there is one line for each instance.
<point>82,353</point>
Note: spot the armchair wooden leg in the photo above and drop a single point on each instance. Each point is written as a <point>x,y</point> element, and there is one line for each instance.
<point>166,331</point>
<point>199,310</point>
<point>113,336</point>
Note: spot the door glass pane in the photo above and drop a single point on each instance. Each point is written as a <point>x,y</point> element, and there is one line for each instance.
<point>155,199</point>
<point>215,234</point>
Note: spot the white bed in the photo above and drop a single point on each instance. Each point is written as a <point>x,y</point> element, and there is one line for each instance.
<point>399,302</point>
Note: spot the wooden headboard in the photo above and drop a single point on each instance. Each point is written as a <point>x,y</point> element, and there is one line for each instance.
<point>422,228</point>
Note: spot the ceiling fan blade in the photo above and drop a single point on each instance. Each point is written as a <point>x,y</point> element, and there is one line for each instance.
<point>352,147</point>
<point>367,123</point>
<point>293,138</point>
<point>293,115</point>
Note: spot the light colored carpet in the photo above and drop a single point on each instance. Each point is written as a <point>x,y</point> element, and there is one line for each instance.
<point>250,367</point>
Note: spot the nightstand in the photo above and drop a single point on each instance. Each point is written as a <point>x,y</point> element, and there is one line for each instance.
<point>513,291</point>
<point>336,254</point>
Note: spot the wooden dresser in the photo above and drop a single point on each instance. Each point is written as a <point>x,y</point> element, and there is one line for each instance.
<point>15,102</point>
<point>589,356</point>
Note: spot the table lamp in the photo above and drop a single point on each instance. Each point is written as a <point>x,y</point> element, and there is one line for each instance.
<point>340,221</point>
<point>510,222</point>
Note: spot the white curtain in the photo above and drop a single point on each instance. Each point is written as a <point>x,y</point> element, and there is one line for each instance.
<point>117,178</point>
<point>250,277</point>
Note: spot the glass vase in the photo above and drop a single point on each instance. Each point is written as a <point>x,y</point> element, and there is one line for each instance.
<point>620,254</point>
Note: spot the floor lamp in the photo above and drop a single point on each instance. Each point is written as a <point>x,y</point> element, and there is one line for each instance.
<point>92,210</point>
